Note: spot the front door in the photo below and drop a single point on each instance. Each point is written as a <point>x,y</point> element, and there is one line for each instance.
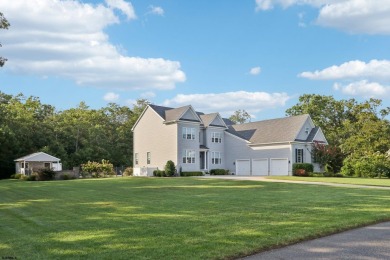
<point>203,160</point>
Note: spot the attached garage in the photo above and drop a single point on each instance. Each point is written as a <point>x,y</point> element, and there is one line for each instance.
<point>279,166</point>
<point>260,167</point>
<point>243,167</point>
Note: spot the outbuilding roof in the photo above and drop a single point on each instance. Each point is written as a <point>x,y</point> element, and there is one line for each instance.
<point>38,157</point>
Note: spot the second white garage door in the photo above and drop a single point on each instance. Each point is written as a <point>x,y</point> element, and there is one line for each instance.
<point>279,167</point>
<point>260,167</point>
<point>243,167</point>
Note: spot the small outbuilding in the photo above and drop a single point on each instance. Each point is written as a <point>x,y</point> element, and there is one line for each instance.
<point>32,162</point>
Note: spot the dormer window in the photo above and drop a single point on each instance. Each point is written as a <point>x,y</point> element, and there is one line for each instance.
<point>307,129</point>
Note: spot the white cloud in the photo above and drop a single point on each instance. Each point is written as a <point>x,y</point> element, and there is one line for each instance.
<point>363,88</point>
<point>255,71</point>
<point>111,97</point>
<point>80,50</point>
<point>263,5</point>
<point>125,7</point>
<point>362,16</point>
<point>374,69</point>
<point>227,103</point>
<point>148,94</point>
<point>157,10</point>
<point>354,16</point>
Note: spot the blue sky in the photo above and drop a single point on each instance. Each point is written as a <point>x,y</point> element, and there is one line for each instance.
<point>219,56</point>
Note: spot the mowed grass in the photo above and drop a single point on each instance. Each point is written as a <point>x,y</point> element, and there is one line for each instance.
<point>345,180</point>
<point>173,218</point>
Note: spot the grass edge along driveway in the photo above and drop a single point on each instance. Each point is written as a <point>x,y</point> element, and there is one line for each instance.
<point>384,182</point>
<point>173,218</point>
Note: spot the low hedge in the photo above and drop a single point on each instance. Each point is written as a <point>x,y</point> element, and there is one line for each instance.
<point>302,169</point>
<point>219,172</point>
<point>158,173</point>
<point>187,174</point>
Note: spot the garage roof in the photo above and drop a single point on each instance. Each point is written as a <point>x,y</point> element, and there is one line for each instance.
<point>270,131</point>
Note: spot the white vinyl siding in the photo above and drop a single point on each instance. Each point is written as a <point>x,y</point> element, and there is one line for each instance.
<point>188,156</point>
<point>299,156</point>
<point>216,137</point>
<point>188,133</point>
<point>216,158</point>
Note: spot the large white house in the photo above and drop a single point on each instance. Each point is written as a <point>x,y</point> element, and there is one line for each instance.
<point>195,141</point>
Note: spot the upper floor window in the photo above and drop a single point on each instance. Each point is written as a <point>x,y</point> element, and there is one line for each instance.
<point>307,129</point>
<point>299,155</point>
<point>188,156</point>
<point>148,158</point>
<point>188,133</point>
<point>216,158</point>
<point>136,158</point>
<point>216,137</point>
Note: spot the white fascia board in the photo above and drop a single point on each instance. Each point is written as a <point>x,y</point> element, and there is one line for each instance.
<point>183,122</point>
<point>320,131</point>
<point>271,147</point>
<point>268,144</point>
<point>220,118</point>
<point>143,112</point>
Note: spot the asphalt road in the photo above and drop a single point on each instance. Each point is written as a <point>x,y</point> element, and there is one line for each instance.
<point>369,243</point>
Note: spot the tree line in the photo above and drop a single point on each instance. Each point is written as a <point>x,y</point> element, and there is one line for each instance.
<point>75,135</point>
<point>356,131</point>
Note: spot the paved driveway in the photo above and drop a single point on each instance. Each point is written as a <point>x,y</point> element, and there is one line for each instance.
<point>371,242</point>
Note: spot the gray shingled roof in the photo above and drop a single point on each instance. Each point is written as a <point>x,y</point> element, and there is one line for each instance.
<point>38,157</point>
<point>208,118</point>
<point>269,131</point>
<point>311,135</point>
<point>169,113</point>
<point>175,113</point>
<point>228,121</point>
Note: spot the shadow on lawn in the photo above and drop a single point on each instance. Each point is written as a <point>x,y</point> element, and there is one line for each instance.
<point>177,218</point>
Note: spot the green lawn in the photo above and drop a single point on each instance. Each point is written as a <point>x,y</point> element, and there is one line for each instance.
<point>173,218</point>
<point>345,180</point>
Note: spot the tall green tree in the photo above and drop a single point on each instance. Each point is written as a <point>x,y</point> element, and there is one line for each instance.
<point>353,127</point>
<point>240,117</point>
<point>4,24</point>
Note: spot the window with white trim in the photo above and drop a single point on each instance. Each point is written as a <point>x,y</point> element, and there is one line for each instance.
<point>216,137</point>
<point>299,155</point>
<point>188,156</point>
<point>188,133</point>
<point>216,158</point>
<point>307,130</point>
<point>136,158</point>
<point>148,158</point>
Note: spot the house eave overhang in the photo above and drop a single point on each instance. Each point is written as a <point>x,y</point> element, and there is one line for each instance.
<point>269,144</point>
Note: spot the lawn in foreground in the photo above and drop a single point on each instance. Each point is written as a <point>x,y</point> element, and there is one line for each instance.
<point>173,218</point>
<point>344,180</point>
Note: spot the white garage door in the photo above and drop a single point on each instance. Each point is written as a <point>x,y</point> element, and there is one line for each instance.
<point>279,167</point>
<point>260,167</point>
<point>243,167</point>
